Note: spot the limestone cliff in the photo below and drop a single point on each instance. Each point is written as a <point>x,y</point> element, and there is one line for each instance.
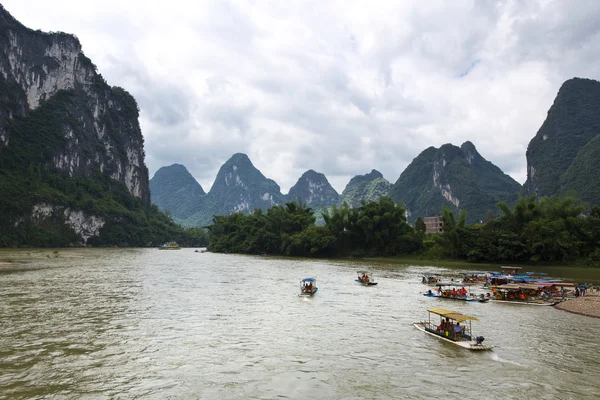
<point>100,130</point>
<point>456,177</point>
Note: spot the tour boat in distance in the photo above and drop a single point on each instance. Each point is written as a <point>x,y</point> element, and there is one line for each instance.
<point>308,287</point>
<point>452,293</point>
<point>365,278</point>
<point>170,246</point>
<point>450,329</point>
<point>532,294</point>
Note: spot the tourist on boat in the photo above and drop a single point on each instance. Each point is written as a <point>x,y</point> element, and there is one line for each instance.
<point>439,290</point>
<point>457,329</point>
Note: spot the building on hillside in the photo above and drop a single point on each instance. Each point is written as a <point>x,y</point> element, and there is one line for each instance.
<point>433,224</point>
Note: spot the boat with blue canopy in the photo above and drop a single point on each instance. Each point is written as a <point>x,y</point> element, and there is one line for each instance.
<point>308,287</point>
<point>365,278</point>
<point>450,292</point>
<point>451,331</point>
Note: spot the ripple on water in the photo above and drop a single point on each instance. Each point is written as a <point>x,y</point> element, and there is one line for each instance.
<point>141,323</point>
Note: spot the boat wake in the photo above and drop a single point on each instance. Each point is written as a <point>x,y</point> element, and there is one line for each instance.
<point>495,357</point>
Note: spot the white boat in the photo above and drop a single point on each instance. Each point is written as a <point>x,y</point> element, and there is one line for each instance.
<point>450,330</point>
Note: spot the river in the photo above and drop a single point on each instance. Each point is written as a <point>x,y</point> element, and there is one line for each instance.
<point>143,323</point>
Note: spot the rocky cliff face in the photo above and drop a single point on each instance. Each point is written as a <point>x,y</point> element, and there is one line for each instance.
<point>175,190</point>
<point>459,178</point>
<point>314,189</point>
<point>368,187</point>
<point>559,156</point>
<point>100,131</point>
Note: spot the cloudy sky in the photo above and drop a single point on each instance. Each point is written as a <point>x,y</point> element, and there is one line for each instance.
<point>340,87</point>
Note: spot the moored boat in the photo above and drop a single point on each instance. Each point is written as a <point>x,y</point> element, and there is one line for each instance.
<point>365,278</point>
<point>534,294</point>
<point>451,331</point>
<point>308,287</point>
<point>170,246</point>
<point>462,294</point>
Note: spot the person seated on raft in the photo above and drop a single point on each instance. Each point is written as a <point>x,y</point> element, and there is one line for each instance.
<point>457,329</point>
<point>443,325</point>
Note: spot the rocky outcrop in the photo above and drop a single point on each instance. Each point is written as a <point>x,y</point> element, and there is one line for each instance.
<point>82,225</point>
<point>100,128</point>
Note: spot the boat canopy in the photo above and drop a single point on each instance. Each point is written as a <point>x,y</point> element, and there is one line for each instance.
<point>308,280</point>
<point>505,267</point>
<point>453,315</point>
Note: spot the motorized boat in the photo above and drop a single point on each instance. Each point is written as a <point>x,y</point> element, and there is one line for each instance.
<point>462,294</point>
<point>451,331</point>
<point>533,294</point>
<point>170,246</point>
<point>308,287</point>
<point>365,278</point>
<point>430,279</point>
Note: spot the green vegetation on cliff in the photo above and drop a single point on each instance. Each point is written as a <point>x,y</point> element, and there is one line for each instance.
<point>562,157</point>
<point>455,177</point>
<point>27,180</point>
<point>368,187</point>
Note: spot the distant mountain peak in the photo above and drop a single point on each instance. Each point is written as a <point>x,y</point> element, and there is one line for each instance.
<point>368,187</point>
<point>453,176</point>
<point>313,188</point>
<point>175,190</point>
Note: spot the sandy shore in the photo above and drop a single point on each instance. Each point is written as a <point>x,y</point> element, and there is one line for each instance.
<point>588,305</point>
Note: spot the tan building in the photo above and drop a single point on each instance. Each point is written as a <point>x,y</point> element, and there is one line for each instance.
<point>433,224</point>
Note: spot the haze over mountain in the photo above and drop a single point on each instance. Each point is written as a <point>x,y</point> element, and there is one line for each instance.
<point>175,190</point>
<point>456,177</point>
<point>563,157</point>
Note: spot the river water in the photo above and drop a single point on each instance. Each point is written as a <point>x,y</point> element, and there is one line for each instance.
<point>118,323</point>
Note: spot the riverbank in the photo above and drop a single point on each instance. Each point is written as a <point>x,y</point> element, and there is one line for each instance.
<point>588,305</point>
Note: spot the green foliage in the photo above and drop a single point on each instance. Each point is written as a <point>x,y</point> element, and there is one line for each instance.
<point>548,230</point>
<point>375,228</point>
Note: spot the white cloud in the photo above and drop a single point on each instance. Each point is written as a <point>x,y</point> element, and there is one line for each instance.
<point>340,87</point>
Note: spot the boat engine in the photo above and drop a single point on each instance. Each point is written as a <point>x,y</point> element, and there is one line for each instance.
<point>479,339</point>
